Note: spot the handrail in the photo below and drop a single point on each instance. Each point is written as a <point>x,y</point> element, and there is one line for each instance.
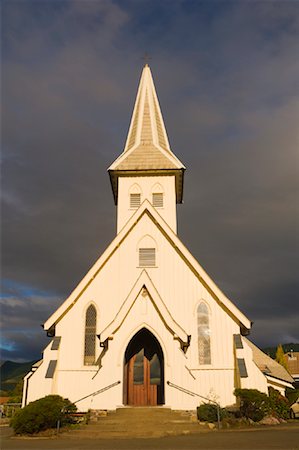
<point>193,394</point>
<point>98,392</point>
<point>186,391</point>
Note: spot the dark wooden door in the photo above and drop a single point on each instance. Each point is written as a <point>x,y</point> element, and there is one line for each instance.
<point>144,371</point>
<point>143,376</point>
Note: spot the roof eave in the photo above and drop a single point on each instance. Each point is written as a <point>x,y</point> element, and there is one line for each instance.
<point>179,175</point>
<point>279,380</point>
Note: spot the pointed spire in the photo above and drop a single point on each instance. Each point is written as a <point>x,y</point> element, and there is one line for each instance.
<point>147,126</point>
<point>147,147</point>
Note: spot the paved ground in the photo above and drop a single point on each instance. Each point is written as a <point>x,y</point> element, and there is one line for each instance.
<point>285,437</point>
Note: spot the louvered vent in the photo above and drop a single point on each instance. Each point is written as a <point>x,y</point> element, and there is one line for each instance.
<point>147,257</point>
<point>135,200</point>
<point>158,200</point>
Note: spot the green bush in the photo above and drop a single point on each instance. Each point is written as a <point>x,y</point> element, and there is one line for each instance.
<point>278,405</point>
<point>42,414</point>
<point>207,412</point>
<point>254,404</point>
<point>292,395</point>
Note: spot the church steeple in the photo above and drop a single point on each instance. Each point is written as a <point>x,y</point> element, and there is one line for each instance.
<point>147,151</point>
<point>147,125</point>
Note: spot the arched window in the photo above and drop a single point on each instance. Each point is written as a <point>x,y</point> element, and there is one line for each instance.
<point>203,334</point>
<point>90,336</point>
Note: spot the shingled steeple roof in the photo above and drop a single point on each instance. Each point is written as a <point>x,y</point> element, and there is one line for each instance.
<point>147,147</point>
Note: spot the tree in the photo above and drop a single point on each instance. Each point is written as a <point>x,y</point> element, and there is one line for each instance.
<point>15,396</point>
<point>279,357</point>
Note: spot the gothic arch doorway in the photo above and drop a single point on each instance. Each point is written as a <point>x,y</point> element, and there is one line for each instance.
<point>144,371</point>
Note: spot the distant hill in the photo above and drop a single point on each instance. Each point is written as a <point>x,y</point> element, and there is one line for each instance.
<point>271,351</point>
<point>12,373</point>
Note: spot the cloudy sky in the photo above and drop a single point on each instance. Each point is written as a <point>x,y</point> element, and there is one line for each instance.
<point>227,76</point>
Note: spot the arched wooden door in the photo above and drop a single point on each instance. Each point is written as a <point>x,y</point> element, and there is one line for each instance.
<point>144,371</point>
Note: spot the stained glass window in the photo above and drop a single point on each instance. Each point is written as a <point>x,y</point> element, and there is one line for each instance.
<point>203,334</point>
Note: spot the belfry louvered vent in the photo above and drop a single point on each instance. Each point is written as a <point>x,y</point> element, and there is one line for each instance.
<point>135,200</point>
<point>147,257</point>
<point>158,200</point>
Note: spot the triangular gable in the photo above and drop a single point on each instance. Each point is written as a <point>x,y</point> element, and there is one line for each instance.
<point>144,282</point>
<point>147,208</point>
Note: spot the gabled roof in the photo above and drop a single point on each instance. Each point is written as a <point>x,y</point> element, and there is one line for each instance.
<point>267,365</point>
<point>151,212</point>
<point>147,147</point>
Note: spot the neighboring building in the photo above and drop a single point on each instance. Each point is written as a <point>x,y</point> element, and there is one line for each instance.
<point>147,325</point>
<point>292,359</point>
<point>277,376</point>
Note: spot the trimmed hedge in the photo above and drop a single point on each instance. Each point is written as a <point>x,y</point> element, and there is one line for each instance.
<point>42,414</point>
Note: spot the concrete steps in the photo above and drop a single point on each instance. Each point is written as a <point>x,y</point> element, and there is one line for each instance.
<point>138,422</point>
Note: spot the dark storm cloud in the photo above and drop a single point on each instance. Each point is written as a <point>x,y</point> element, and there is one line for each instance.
<point>227,78</point>
<point>23,310</point>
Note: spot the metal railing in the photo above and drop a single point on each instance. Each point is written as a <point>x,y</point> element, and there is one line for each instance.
<point>93,394</point>
<point>194,394</point>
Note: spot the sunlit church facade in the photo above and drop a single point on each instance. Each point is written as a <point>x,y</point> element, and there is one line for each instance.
<point>147,326</point>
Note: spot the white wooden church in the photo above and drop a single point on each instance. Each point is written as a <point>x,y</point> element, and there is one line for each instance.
<point>147,325</point>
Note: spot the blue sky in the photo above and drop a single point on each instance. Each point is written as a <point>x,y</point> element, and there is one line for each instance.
<point>227,76</point>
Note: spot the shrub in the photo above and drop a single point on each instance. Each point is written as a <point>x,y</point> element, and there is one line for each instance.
<point>254,404</point>
<point>42,414</point>
<point>292,395</point>
<point>278,405</point>
<point>207,412</point>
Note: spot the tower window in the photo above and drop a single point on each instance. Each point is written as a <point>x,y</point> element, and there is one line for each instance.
<point>147,257</point>
<point>158,200</point>
<point>90,336</point>
<point>135,200</point>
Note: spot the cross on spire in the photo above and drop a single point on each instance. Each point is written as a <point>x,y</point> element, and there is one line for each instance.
<point>146,58</point>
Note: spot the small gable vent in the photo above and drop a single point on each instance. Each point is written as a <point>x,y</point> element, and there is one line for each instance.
<point>158,200</point>
<point>135,200</point>
<point>147,257</point>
